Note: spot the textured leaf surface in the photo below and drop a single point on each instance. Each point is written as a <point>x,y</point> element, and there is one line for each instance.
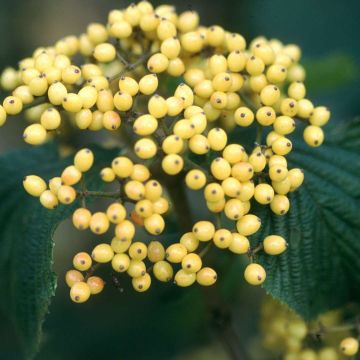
<point>26,229</point>
<point>321,268</point>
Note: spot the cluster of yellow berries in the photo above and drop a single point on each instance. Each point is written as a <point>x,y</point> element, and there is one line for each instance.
<point>285,333</point>
<point>121,87</point>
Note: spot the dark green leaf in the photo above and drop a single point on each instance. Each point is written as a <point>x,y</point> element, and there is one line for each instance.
<point>26,245</point>
<point>321,268</point>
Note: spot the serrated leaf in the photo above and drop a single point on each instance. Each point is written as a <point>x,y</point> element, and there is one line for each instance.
<point>321,268</point>
<point>26,240</point>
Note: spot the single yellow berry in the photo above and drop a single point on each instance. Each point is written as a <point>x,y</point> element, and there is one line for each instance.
<point>255,274</point>
<point>82,261</point>
<point>102,253</point>
<point>206,276</point>
<point>80,292</point>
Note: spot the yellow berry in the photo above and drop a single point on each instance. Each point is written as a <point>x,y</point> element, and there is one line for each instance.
<point>141,283</point>
<point>107,174</point>
<point>231,187</point>
<point>136,268</point>
<point>220,168</point>
<point>296,178</point>
<point>242,171</point>
<point>175,253</point>
<point>72,103</point>
<point>184,278</point>
<point>239,244</point>
<point>320,116</point>
<point>206,276</point>
<point>234,209</point>
<point>50,119</point>
<point>284,125</point>
<point>214,192</point>
<point>248,225</point>
<point>71,175</point>
<point>120,245</point>
<point>349,346</point>
<point>102,253</point>
<point>204,230</point>
<point>189,241</point>
<point>82,261</point>
<point>172,164</point>
<point>313,135</point>
<point>145,148</point>
<point>140,173</point>
<point>56,93</point>
<point>274,245</point>
<point>122,166</point>
<point>66,194</point>
<point>72,277</point>
<point>191,263</point>
<point>280,204</point>
<point>217,139</point>
<point>255,274</point>
<point>88,95</point>
<point>96,284</point>
<point>125,230</point>
<point>195,179</point>
<point>134,190</point>
<point>153,190</point>
<point>49,200</point>
<point>281,146</point>
<point>154,224</point>
<point>172,144</point>
<point>265,116</point>
<point>138,250</point>
<point>155,251</point>
<point>148,84</point>
<point>244,116</point>
<point>257,160</point>
<point>34,185</point>
<point>264,194</point>
<point>233,153</point>
<point>269,95</point>
<point>123,101</point>
<point>3,115</point>
<point>116,213</point>
<point>163,271</point>
<point>80,292</point>
<point>81,218</point>
<point>158,63</point>
<point>35,134</point>
<point>99,223</point>
<point>222,238</point>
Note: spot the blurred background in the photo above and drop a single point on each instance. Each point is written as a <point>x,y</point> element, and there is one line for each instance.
<point>169,323</point>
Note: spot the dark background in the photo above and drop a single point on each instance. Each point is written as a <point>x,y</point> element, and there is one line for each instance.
<point>169,323</point>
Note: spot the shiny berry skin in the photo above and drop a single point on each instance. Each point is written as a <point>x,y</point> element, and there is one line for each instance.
<point>84,160</point>
<point>163,271</point>
<point>99,223</point>
<point>313,135</point>
<point>70,175</point>
<point>184,278</point>
<point>12,105</point>
<point>274,245</point>
<point>284,125</point>
<point>220,168</point>
<point>231,187</point>
<point>269,95</point>
<point>248,225</point>
<point>96,284</point>
<point>107,174</point>
<point>154,224</point>
<point>191,263</point>
<point>50,119</point>
<point>72,277</point>
<point>102,253</point>
<point>204,230</point>
<point>195,179</point>
<point>175,253</point>
<point>320,116</point>
<point>158,63</point>
<point>265,116</point>
<point>258,160</point>
<point>145,148</point>
<point>80,292</point>
<point>297,90</point>
<point>255,274</point>
<point>122,166</point>
<point>116,213</point>
<point>296,178</point>
<point>240,244</point>
<point>49,200</point>
<point>140,173</point>
<point>242,171</point>
<point>222,238</point>
<point>148,84</point>
<point>138,251</point>
<point>349,346</point>
<point>34,185</point>
<point>217,139</point>
<point>199,144</point>
<point>136,268</point>
<point>66,194</point>
<point>35,134</point>
<point>206,276</point>
<point>172,164</point>
<point>82,261</point>
<point>214,192</point>
<point>281,146</point>
<point>153,190</point>
<point>280,204</point>
<point>120,262</point>
<point>233,153</point>
<point>125,230</point>
<point>81,218</point>
<point>155,251</point>
<point>189,241</point>
<point>244,116</point>
<point>128,85</point>
<point>264,194</point>
<point>123,101</point>
<point>3,115</point>
<point>234,209</point>
<point>141,283</point>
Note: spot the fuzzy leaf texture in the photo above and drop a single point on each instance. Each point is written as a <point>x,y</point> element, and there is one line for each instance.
<point>26,239</point>
<point>321,268</point>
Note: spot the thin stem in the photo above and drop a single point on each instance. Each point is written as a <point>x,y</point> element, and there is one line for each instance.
<point>205,249</point>
<point>92,270</point>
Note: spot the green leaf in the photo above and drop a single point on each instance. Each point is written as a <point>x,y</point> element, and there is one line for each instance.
<point>26,239</point>
<point>321,268</point>
<point>330,72</point>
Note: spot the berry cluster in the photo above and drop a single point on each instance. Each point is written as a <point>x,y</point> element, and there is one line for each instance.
<point>122,87</point>
<point>285,333</point>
